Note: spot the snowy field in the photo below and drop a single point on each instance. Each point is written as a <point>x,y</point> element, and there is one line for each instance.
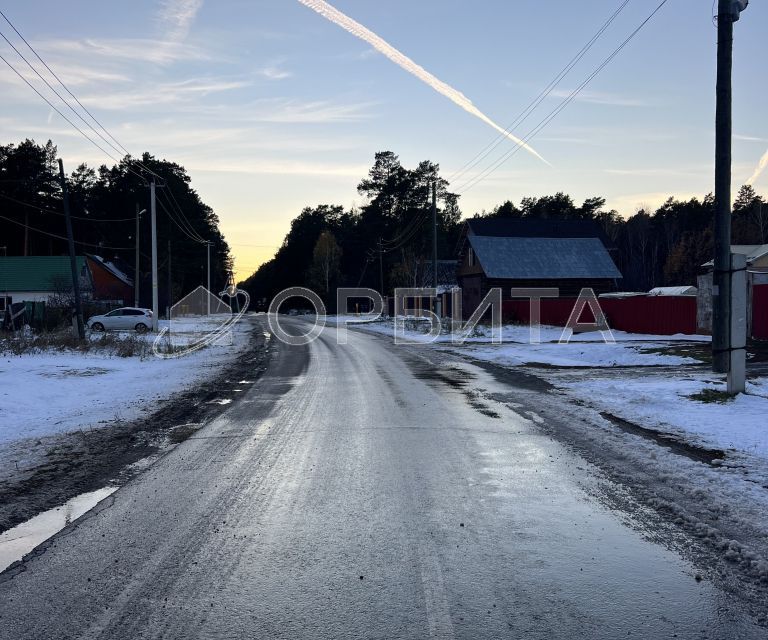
<point>49,392</point>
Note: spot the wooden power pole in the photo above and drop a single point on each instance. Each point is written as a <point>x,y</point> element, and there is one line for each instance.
<point>72,257</point>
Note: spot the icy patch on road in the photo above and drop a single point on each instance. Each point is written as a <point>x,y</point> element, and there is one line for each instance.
<point>20,540</point>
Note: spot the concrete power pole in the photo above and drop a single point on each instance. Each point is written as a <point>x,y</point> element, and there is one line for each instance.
<point>434,244</point>
<point>72,258</point>
<point>170,284</point>
<point>153,213</point>
<point>728,13</point>
<point>208,297</point>
<point>381,268</point>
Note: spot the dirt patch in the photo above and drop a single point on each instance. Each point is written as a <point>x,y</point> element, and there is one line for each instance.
<point>66,465</point>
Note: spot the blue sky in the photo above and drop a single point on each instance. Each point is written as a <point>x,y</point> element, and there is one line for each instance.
<point>271,107</point>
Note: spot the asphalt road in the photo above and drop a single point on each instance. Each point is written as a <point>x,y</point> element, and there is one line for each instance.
<point>358,492</point>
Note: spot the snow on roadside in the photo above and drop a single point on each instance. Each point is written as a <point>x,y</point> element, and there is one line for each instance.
<point>582,350</point>
<point>665,404</point>
<point>49,392</point>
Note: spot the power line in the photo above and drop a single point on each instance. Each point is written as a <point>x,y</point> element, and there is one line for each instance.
<point>52,106</point>
<point>412,225</point>
<point>61,82</point>
<point>74,97</point>
<point>172,218</point>
<point>59,213</point>
<point>172,203</point>
<point>525,113</point>
<point>181,213</point>
<point>48,84</point>
<point>53,235</point>
<point>182,221</point>
<point>129,157</point>
<point>555,112</point>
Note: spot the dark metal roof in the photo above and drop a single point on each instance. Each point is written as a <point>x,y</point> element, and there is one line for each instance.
<point>524,258</point>
<point>536,228</point>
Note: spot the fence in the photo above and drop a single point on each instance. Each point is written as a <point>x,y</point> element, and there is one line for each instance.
<point>656,315</point>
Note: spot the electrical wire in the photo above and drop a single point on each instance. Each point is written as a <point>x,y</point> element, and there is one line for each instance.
<point>53,235</point>
<point>52,88</point>
<point>52,106</point>
<point>129,157</point>
<point>415,223</point>
<point>181,213</point>
<point>525,113</point>
<point>59,213</point>
<point>122,148</point>
<point>172,218</point>
<point>555,112</point>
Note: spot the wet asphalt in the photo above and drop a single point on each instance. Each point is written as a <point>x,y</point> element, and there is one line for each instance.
<point>357,492</point>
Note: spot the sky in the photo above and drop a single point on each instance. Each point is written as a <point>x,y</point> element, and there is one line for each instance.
<point>271,107</point>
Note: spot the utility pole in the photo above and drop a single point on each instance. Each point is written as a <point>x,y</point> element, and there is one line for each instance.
<point>727,14</point>
<point>381,269</point>
<point>434,244</point>
<point>153,213</point>
<point>170,285</point>
<point>208,297</point>
<point>136,277</point>
<point>72,258</point>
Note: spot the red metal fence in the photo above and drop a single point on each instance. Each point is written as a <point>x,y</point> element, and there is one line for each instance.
<point>760,311</point>
<point>656,315</point>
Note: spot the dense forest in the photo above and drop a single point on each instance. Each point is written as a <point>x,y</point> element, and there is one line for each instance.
<point>103,205</point>
<point>389,237</point>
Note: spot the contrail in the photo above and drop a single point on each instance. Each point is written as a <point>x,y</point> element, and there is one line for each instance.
<point>359,31</point>
<point>759,169</point>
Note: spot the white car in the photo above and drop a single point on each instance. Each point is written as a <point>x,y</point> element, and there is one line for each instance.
<point>123,319</point>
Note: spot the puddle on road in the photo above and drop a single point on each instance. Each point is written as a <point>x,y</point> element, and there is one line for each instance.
<point>19,541</point>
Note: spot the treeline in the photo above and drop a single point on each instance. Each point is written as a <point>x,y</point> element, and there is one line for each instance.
<point>328,246</point>
<point>388,239</point>
<point>103,205</point>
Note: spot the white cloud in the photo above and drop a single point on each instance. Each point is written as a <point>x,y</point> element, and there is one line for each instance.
<point>596,97</point>
<point>737,136</point>
<point>663,171</point>
<point>285,111</point>
<point>274,72</point>
<point>149,50</point>
<point>177,17</point>
<point>162,93</point>
<point>279,167</point>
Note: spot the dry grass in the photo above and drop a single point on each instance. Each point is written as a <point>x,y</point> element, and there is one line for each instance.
<point>121,345</point>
